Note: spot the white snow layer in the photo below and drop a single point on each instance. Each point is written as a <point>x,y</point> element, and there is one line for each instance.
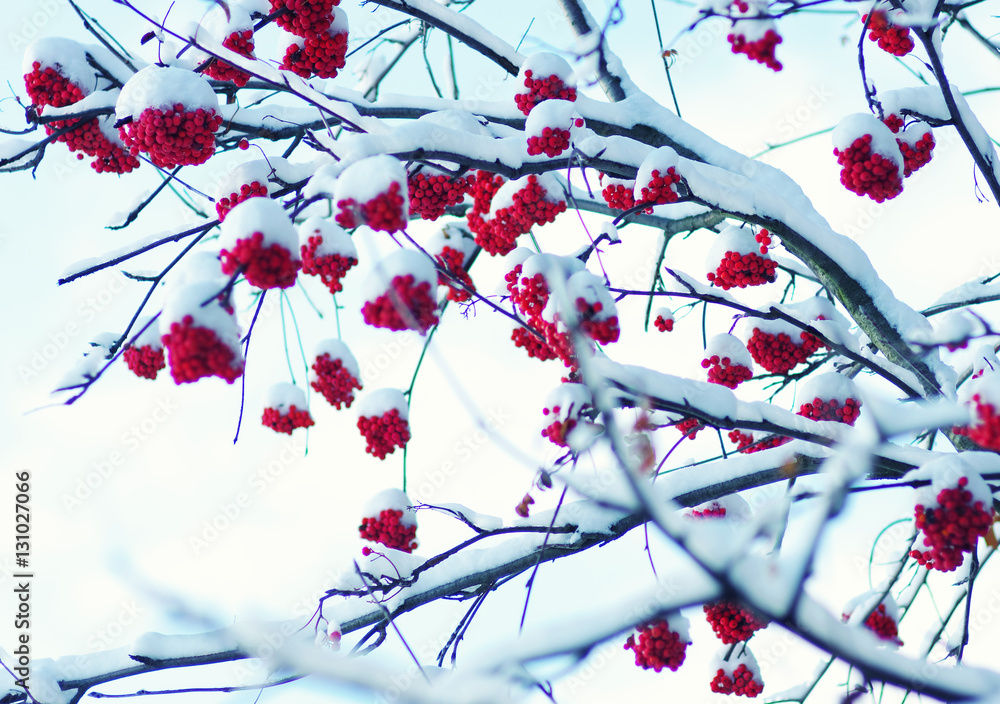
<point>381,401</point>
<point>282,396</point>
<point>261,215</point>
<point>164,87</point>
<point>393,500</point>
<point>338,350</point>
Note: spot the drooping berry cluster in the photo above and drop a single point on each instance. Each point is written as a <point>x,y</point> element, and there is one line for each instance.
<point>663,324</point>
<point>542,88</point>
<point>388,530</point>
<point>195,352</point>
<point>304,17</point>
<point>985,432</point>
<point>241,43</point>
<point>868,173</point>
<point>321,54</point>
<point>330,268</point>
<point>173,136</point>
<point>144,361</point>
<point>952,528</point>
<point>742,683</point>
<point>254,189</point>
<point>742,270</point>
<point>760,50</point>
<point>660,188</point>
<point>602,330</point>
<point>619,194</point>
<point>453,260</point>
<point>915,154</point>
<point>891,38</point>
<point>832,409</point>
<point>530,294</point>
<point>407,305</point>
<point>744,442</point>
<point>552,142</point>
<point>713,510</point>
<point>48,87</point>
<point>431,195</point>
<point>287,422</point>
<point>267,267</point>
<point>777,353</point>
<point>883,625</point>
<point>334,381</point>
<point>386,211</point>
<point>384,433</point>
<point>731,622</point>
<point>763,238</point>
<point>530,205</point>
<point>657,647</point>
<point>722,370</point>
<point>532,344</point>
<point>689,427</point>
<point>482,187</point>
<point>558,430</point>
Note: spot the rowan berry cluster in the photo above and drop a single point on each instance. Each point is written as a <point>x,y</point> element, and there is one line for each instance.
<point>254,189</point>
<point>241,43</point>
<point>542,88</point>
<point>384,433</point>
<point>951,528</point>
<point>385,212</point>
<point>265,267</point>
<point>334,381</point>
<point>144,361</point>
<point>657,647</point>
<point>195,352</point>
<point>891,38</point>
<point>868,173</point>
<point>431,195</point>
<point>388,529</point>
<point>330,268</point>
<point>407,305</point>
<point>287,422</point>
<point>173,136</point>
<point>742,683</point>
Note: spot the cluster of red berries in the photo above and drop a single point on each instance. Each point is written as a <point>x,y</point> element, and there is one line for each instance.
<point>539,89</point>
<point>777,353</point>
<point>763,238</point>
<point>383,212</point>
<point>431,195</point>
<point>760,50</point>
<point>951,528</point>
<point>482,187</point>
<point>532,344</point>
<point>558,430</point>
<point>240,43</point>
<point>657,647</point>
<point>742,683</point>
<point>322,54</point>
<point>891,38</point>
<point>602,331</point>
<point>330,268</point>
<point>819,409</point>
<point>304,17</point>
<point>663,325</point>
<point>689,427</point>
<point>915,155</point>
<point>195,352</point>
<point>882,624</point>
<point>742,270</point>
<point>287,422</point>
<point>254,189</point>
<point>387,529</point>
<point>173,136</point>
<point>744,442</point>
<point>660,188</point>
<point>551,142</point>
<point>721,370</point>
<point>407,305</point>
<point>530,206</point>
<point>144,361</point>
<point>713,510</point>
<point>731,622</point>
<point>453,261</point>
<point>334,381</point>
<point>620,196</point>
<point>867,173</point>
<point>264,267</point>
<point>985,432</point>
<point>384,433</point>
<point>48,87</point>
